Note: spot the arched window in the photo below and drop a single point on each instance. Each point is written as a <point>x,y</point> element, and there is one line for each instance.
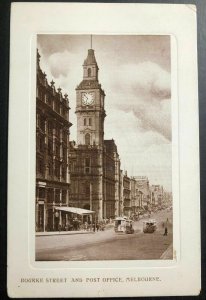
<point>87,139</point>
<point>89,72</point>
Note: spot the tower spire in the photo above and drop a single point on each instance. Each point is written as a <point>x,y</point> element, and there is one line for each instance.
<point>91,40</point>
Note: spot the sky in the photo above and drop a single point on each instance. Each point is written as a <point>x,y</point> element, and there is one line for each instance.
<point>134,71</point>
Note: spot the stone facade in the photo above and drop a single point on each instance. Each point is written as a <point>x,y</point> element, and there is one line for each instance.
<point>95,163</point>
<point>127,196</point>
<point>111,179</point>
<point>157,193</point>
<point>134,196</point>
<point>52,144</point>
<point>142,185</point>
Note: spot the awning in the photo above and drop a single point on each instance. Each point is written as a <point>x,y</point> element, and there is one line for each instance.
<point>120,218</point>
<point>75,210</point>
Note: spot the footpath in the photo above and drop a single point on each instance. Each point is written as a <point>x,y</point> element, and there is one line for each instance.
<point>51,233</point>
<point>72,232</point>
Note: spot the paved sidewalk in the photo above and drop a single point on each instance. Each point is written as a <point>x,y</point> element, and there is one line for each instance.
<point>50,233</point>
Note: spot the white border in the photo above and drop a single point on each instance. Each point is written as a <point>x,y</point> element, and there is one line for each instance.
<point>177,277</point>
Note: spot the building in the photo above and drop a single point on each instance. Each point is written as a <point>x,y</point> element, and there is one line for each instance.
<point>111,179</point>
<point>95,164</point>
<point>127,196</point>
<point>157,193</point>
<point>52,144</point>
<point>135,197</point>
<point>142,185</point>
<point>121,199</point>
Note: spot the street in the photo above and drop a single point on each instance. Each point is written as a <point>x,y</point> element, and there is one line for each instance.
<point>108,245</point>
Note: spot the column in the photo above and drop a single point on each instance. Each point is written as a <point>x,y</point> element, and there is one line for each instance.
<point>37,121</point>
<point>36,216</point>
<point>53,208</point>
<point>46,209</point>
<point>90,196</point>
<point>60,218</point>
<point>67,197</point>
<point>60,204</point>
<point>60,171</point>
<point>44,226</point>
<point>37,209</point>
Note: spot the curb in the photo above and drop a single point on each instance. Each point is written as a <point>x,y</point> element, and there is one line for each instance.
<point>168,254</point>
<point>63,233</point>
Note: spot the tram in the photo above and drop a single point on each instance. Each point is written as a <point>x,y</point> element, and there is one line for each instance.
<point>123,225</point>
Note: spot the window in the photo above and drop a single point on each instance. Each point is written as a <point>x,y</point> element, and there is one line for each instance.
<point>57,169</point>
<point>64,135</point>
<point>50,195</point>
<point>41,144</point>
<point>50,168</point>
<point>40,166</point>
<point>89,72</point>
<point>87,162</point>
<point>57,195</point>
<point>41,192</point>
<point>73,166</point>
<point>87,165</point>
<point>49,100</point>
<point>85,121</point>
<point>63,172</point>
<point>87,139</point>
<point>57,131</point>
<point>50,129</point>
<point>64,196</point>
<point>64,112</point>
<point>90,121</point>
<point>57,150</point>
<point>57,105</point>
<point>42,124</point>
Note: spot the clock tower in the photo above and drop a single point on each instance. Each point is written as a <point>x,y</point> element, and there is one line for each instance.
<point>90,105</point>
<point>94,162</point>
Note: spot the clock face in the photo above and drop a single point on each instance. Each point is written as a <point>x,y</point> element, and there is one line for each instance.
<point>87,98</point>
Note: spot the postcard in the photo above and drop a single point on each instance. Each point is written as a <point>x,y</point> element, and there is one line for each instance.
<point>103,185</point>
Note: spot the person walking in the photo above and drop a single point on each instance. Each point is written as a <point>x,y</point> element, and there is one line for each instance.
<point>166,231</point>
<point>97,226</point>
<point>166,227</point>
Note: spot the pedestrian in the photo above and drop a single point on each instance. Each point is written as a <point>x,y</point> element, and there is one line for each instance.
<point>166,227</point>
<point>85,226</point>
<point>97,226</point>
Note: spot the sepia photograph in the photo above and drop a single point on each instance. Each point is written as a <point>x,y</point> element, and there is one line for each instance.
<point>103,148</point>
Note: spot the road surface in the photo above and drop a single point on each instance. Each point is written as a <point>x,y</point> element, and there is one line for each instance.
<point>107,245</point>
